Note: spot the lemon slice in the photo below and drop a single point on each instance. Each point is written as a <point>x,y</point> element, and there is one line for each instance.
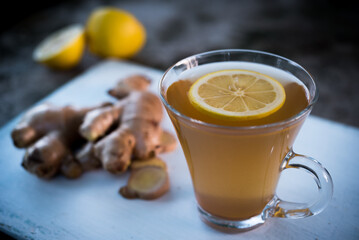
<point>237,94</point>
<point>62,49</point>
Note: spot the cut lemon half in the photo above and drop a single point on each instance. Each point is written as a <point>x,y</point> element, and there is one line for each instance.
<point>237,95</point>
<point>62,49</point>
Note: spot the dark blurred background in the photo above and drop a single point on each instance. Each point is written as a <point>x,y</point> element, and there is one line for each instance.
<point>320,35</point>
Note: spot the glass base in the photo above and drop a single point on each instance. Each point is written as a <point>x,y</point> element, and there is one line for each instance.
<point>229,225</point>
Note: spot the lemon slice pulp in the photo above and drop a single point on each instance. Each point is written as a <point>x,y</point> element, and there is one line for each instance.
<point>237,95</point>
<point>62,49</point>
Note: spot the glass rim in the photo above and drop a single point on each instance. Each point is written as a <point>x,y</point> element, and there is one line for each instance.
<point>292,119</point>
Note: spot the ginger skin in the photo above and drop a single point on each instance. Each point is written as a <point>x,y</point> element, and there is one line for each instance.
<point>50,135</point>
<point>168,142</point>
<point>86,157</point>
<point>129,84</point>
<point>138,114</point>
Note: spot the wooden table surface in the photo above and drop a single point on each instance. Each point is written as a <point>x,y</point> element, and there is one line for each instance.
<point>91,208</point>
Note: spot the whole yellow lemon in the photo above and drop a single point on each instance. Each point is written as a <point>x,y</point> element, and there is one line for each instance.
<point>113,32</point>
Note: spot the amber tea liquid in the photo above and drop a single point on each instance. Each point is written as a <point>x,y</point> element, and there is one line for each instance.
<point>235,171</point>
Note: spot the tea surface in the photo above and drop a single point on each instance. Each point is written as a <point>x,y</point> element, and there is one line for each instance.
<point>296,101</point>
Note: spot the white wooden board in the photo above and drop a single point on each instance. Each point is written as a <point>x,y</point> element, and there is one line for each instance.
<point>91,208</point>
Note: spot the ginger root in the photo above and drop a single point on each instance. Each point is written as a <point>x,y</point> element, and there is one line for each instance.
<point>50,134</point>
<point>86,157</point>
<point>138,115</point>
<point>148,183</point>
<point>129,84</point>
<point>168,142</point>
<point>71,140</point>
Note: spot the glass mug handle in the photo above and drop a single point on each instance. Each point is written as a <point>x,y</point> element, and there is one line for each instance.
<point>283,209</point>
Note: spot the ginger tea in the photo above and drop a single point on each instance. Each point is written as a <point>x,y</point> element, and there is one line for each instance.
<point>235,170</point>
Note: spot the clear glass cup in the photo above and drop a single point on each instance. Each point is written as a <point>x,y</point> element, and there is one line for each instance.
<point>235,170</point>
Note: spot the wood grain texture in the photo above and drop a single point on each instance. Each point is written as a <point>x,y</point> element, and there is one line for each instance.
<point>91,208</point>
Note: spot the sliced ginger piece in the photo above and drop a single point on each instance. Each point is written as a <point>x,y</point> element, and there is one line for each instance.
<point>146,183</point>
